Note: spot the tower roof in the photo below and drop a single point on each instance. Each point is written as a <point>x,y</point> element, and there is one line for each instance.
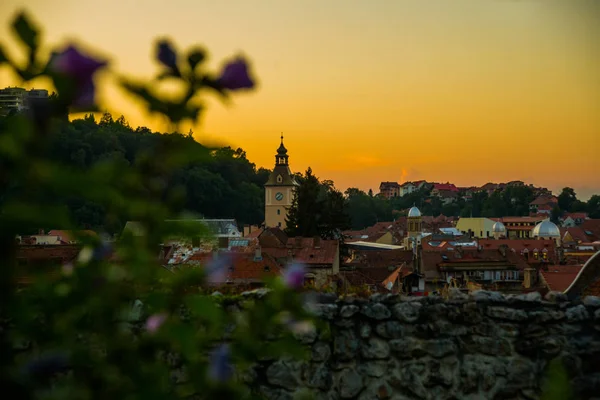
<point>281,150</point>
<point>414,212</point>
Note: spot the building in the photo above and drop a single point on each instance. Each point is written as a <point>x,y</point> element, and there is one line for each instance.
<point>222,230</point>
<point>476,227</point>
<point>543,204</point>
<point>414,228</point>
<point>407,188</point>
<point>378,233</point>
<point>321,257</point>
<point>520,227</point>
<point>389,189</point>
<point>444,189</point>
<point>499,269</point>
<point>279,190</point>
<point>573,219</point>
<point>44,261</point>
<point>18,99</point>
<point>533,251</point>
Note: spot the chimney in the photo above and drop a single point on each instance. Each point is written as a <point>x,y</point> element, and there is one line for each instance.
<point>40,231</point>
<point>317,242</point>
<point>502,249</point>
<point>258,254</point>
<point>527,283</point>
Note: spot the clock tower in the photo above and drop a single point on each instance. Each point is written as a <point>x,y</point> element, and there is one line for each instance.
<point>279,190</point>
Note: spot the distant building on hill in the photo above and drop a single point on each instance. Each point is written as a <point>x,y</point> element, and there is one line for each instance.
<point>18,99</point>
<point>389,189</point>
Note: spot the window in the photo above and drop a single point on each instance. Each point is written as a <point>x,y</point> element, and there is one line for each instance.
<point>279,224</point>
<point>279,179</point>
<point>278,212</point>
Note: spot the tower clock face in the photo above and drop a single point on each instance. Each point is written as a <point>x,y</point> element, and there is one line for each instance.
<point>278,196</point>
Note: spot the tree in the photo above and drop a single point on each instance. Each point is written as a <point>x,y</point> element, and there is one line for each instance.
<point>593,206</point>
<point>555,214</point>
<point>318,209</point>
<point>566,199</point>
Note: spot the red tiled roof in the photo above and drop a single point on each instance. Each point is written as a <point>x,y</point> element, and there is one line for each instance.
<point>515,220</point>
<point>64,253</point>
<point>432,260</point>
<point>245,268</point>
<point>489,186</point>
<point>241,266</point>
<point>576,233</point>
<point>273,237</point>
<point>254,234</point>
<point>559,277</point>
<point>369,275</point>
<point>69,236</point>
<point>373,232</point>
<point>389,185</point>
<point>518,244</point>
<point>383,258</point>
<point>593,227</point>
<point>545,207</point>
<point>304,251</point>
<point>576,215</point>
<point>445,187</point>
<point>545,200</point>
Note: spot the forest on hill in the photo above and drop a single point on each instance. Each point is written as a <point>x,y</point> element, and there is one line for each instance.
<point>222,183</point>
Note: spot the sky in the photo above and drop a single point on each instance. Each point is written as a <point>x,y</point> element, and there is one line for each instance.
<point>364,91</point>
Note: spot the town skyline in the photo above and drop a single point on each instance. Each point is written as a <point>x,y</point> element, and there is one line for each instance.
<point>496,106</point>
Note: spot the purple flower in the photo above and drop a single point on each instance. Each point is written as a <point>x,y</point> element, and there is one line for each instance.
<point>166,55</point>
<point>297,327</point>
<point>235,75</point>
<point>154,322</point>
<point>76,64</point>
<point>67,269</point>
<point>81,69</point>
<point>46,365</point>
<point>293,276</point>
<point>104,249</point>
<point>220,368</point>
<point>217,268</point>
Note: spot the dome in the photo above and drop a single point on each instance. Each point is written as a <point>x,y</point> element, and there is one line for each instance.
<point>498,227</point>
<point>281,150</point>
<point>414,212</point>
<point>546,229</point>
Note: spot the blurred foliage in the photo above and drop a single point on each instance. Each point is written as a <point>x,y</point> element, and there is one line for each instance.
<point>557,385</point>
<point>112,324</point>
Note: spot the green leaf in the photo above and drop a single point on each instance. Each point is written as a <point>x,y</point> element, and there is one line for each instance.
<point>195,57</point>
<point>204,307</point>
<point>3,56</point>
<point>26,31</point>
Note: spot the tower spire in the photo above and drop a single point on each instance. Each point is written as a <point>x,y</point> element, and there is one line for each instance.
<point>281,137</point>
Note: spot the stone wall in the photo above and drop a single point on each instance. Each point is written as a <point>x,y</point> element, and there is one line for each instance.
<point>482,346</point>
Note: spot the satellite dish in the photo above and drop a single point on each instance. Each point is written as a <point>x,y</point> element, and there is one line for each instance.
<point>389,285</point>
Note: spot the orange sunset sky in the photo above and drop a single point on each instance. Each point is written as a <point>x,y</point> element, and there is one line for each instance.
<point>466,91</point>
